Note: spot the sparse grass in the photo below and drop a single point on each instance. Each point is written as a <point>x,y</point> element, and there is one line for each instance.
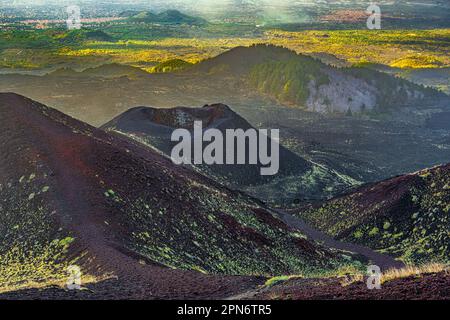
<point>349,274</point>
<point>34,250</point>
<point>275,296</point>
<point>61,282</point>
<point>409,271</point>
<point>276,280</point>
<point>350,279</point>
<point>393,274</point>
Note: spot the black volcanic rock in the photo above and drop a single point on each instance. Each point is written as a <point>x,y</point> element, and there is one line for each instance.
<point>155,126</point>
<point>296,180</point>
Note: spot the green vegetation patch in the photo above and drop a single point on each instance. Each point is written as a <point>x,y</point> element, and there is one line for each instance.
<point>288,81</point>
<point>201,228</point>
<point>33,250</point>
<point>411,222</point>
<point>171,66</point>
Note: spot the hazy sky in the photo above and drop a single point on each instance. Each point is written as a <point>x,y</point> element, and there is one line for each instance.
<point>280,10</point>
<point>208,2</point>
<point>174,2</point>
<point>286,10</point>
<point>198,4</point>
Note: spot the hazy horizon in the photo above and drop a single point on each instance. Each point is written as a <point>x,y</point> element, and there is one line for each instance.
<point>211,3</point>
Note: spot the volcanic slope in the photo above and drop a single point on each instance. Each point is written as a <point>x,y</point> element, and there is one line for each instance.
<point>406,216</point>
<point>296,176</point>
<point>73,194</point>
<point>304,82</point>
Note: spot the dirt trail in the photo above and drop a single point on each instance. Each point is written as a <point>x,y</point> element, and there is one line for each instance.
<point>385,262</point>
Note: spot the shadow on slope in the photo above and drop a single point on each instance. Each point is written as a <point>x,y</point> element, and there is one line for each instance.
<point>296,177</point>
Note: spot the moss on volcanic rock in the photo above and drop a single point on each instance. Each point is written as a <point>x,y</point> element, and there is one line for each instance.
<point>32,248</point>
<point>217,234</point>
<point>407,217</point>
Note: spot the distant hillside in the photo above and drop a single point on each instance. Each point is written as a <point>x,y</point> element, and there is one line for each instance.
<point>113,70</point>
<point>128,13</point>
<point>73,194</point>
<point>304,82</point>
<point>171,66</point>
<point>241,60</point>
<point>406,216</point>
<point>297,178</point>
<point>438,78</point>
<point>78,37</point>
<point>165,17</point>
<point>98,35</point>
